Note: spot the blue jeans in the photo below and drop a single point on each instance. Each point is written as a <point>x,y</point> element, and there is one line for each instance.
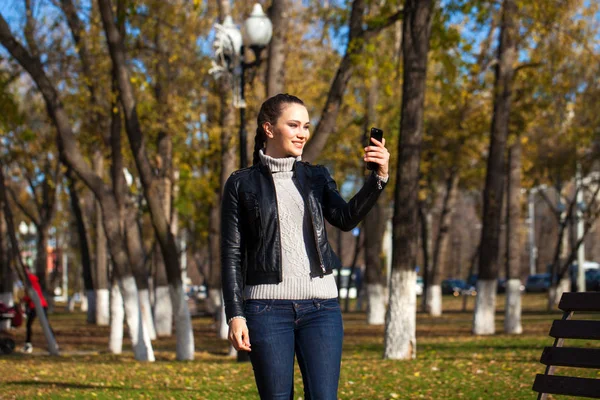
<point>310,329</point>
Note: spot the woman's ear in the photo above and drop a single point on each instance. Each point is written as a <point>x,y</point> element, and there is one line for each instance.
<point>268,128</point>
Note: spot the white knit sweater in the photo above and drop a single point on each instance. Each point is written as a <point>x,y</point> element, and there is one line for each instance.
<point>298,246</point>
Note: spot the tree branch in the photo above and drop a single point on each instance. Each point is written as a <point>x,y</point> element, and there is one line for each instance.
<point>28,213</point>
<point>376,25</point>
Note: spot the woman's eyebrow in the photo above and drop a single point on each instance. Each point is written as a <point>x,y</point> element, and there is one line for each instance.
<point>298,122</point>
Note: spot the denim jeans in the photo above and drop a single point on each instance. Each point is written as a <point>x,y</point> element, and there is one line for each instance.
<point>310,329</point>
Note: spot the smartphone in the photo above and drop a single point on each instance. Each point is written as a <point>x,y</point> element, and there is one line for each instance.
<point>377,134</point>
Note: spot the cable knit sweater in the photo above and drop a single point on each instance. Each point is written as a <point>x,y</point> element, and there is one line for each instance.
<point>298,249</point>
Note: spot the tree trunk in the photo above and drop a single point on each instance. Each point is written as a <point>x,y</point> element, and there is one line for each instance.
<point>117,314</point>
<point>277,48</point>
<point>163,308</point>
<point>101,278</point>
<point>425,219</point>
<point>6,276</point>
<point>512,315</point>
<point>400,328</point>
<point>485,302</point>
<point>374,226</point>
<point>160,222</point>
<point>41,258</point>
<point>136,255</point>
<point>84,248</point>
<point>442,243</point>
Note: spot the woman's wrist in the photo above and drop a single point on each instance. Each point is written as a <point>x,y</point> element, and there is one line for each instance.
<point>235,317</point>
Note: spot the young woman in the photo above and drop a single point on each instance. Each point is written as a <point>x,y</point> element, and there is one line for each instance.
<point>280,295</point>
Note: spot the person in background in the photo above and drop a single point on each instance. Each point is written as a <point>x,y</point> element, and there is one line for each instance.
<point>30,309</point>
<point>279,290</point>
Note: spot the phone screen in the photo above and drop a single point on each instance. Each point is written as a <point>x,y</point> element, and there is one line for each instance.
<point>377,134</point>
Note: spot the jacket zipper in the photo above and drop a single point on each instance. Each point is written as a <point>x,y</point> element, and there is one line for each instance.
<point>278,226</point>
<point>312,223</point>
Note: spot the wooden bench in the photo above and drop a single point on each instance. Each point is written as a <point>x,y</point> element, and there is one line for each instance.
<point>577,357</point>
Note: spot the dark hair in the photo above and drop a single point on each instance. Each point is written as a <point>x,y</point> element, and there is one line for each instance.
<point>270,111</point>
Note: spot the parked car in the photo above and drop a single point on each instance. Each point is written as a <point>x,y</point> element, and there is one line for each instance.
<point>454,287</point>
<point>353,293</point>
<point>592,280</point>
<point>419,287</point>
<point>537,283</point>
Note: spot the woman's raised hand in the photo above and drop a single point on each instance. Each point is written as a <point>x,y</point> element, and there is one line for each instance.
<point>378,154</point>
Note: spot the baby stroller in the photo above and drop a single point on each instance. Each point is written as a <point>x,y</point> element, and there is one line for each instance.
<point>14,314</point>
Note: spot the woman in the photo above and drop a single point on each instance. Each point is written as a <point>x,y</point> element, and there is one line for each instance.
<point>280,296</point>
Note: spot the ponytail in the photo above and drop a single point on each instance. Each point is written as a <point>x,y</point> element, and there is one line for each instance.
<point>259,143</point>
<point>270,111</point>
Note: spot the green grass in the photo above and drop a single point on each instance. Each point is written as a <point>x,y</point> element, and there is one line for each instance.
<point>451,363</point>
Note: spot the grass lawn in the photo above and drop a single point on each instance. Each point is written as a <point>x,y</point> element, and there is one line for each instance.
<point>451,363</point>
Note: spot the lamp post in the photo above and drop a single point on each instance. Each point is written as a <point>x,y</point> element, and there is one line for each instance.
<point>230,46</point>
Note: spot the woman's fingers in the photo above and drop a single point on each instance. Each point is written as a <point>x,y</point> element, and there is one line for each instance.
<point>378,154</point>
<point>238,335</point>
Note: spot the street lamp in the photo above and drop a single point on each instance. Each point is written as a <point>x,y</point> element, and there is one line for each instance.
<point>229,48</point>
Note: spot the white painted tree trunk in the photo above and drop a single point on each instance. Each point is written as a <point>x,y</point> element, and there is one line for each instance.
<point>103,306</point>
<point>183,324</point>
<point>375,304</point>
<point>222,323</point>
<point>84,302</point>
<point>512,315</point>
<point>564,285</point>
<point>163,312</point>
<point>91,311</point>
<point>485,307</point>
<point>213,299</point>
<point>48,334</point>
<point>117,314</point>
<point>147,317</point>
<point>401,319</point>
<point>7,299</point>
<point>215,302</point>
<point>140,341</point>
<point>71,304</point>
<point>434,300</point>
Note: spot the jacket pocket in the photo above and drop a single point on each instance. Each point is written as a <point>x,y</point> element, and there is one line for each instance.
<point>252,227</point>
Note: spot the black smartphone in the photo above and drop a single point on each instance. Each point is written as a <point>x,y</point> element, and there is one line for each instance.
<point>377,134</point>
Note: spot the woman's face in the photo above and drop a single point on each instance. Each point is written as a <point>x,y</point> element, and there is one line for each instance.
<point>289,134</point>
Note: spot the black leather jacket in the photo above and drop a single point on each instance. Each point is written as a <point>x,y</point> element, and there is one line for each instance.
<point>250,237</point>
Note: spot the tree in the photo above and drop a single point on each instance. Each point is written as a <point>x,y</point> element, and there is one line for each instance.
<point>166,240</point>
<point>485,303</point>
<point>357,35</point>
<point>400,328</point>
<point>512,318</point>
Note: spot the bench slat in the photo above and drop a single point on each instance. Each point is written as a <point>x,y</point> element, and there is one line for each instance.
<point>586,301</point>
<point>556,384</point>
<point>575,329</point>
<point>571,357</point>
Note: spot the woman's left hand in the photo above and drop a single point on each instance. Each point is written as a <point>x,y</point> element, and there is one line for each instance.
<point>378,154</point>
